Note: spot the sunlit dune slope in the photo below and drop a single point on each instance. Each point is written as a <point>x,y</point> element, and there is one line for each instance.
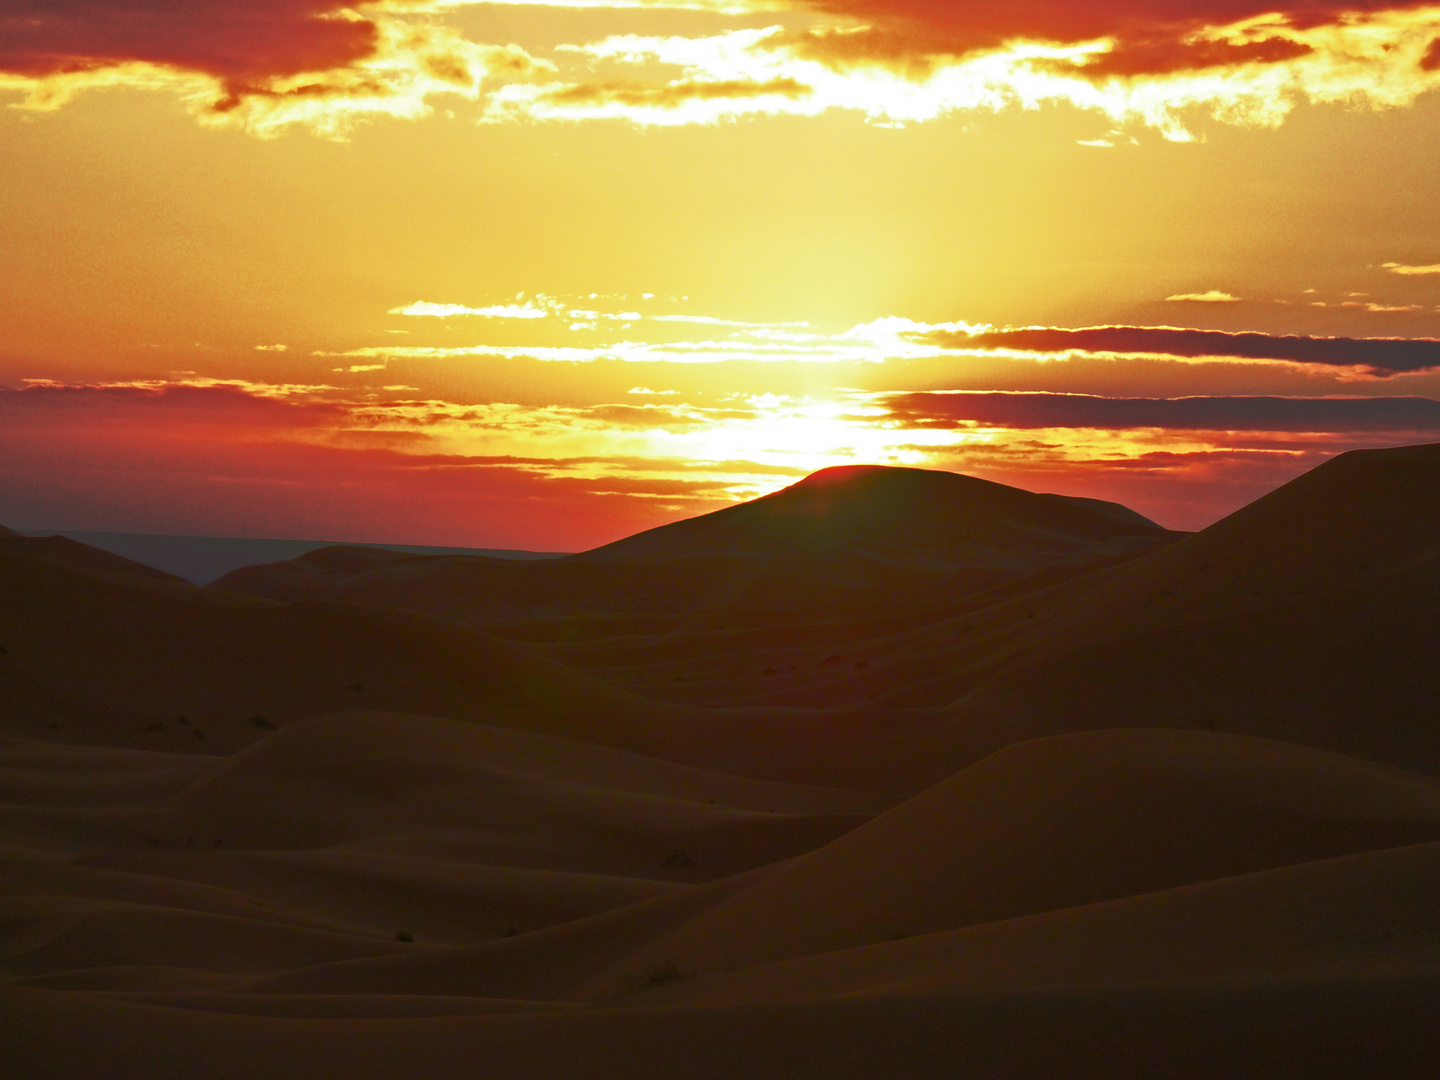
<point>1053,824</point>
<point>850,540</point>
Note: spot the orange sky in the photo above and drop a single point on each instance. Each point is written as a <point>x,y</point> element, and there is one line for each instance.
<point>539,276</point>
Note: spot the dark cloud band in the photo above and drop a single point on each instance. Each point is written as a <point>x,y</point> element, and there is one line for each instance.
<point>1044,410</point>
<point>1387,356</point>
<point>237,42</point>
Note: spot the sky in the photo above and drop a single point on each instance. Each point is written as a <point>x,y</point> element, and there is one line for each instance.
<point>540,276</point>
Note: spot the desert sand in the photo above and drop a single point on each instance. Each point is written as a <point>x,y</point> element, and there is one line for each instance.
<point>893,773</point>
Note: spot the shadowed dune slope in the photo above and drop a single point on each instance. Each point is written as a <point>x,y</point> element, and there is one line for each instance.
<point>1327,1028</point>
<point>159,664</point>
<point>329,839</point>
<point>863,504</point>
<point>63,552</point>
<point>1312,615</point>
<point>1366,911</point>
<point>1358,520</point>
<point>153,663</point>
<point>1053,824</point>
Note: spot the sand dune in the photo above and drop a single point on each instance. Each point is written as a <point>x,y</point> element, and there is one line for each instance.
<point>892,773</point>
<point>1354,912</point>
<point>70,554</point>
<point>1380,1025</point>
<point>96,660</point>
<point>1053,824</point>
<point>331,838</point>
<point>826,543</point>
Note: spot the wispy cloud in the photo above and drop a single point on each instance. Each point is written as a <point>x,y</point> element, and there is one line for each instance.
<point>422,308</point>
<point>1212,296</point>
<point>708,320</point>
<point>1402,268</point>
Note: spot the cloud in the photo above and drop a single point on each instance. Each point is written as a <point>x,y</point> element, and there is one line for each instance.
<point>916,60</point>
<point>1401,268</point>
<point>1370,306</point>
<point>1227,414</point>
<point>204,403</point>
<point>241,45</point>
<point>708,320</point>
<point>265,65</point>
<point>1214,296</point>
<point>623,97</point>
<point>241,459</point>
<point>1145,36</point>
<point>445,311</point>
<point>270,65</point>
<point>1379,356</point>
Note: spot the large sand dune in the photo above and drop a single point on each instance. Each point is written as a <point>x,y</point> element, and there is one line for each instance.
<point>832,544</point>
<point>892,773</point>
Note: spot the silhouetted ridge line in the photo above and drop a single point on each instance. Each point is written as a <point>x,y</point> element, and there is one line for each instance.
<point>877,504</point>
<point>845,543</point>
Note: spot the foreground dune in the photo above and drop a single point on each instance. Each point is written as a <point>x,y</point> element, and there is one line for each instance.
<point>891,774</point>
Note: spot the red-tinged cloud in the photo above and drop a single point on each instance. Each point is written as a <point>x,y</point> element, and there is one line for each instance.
<point>1377,356</point>
<point>262,64</point>
<point>237,460</point>
<point>217,405</point>
<point>1149,36</point>
<point>1417,415</point>
<point>243,459</point>
<point>241,44</point>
